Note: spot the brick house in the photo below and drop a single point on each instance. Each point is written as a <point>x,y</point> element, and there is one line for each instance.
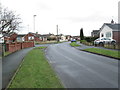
<point>110,30</point>
<point>29,37</point>
<point>10,38</point>
<point>32,37</point>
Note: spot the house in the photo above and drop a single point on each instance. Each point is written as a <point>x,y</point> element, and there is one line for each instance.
<point>95,33</point>
<point>76,37</point>
<point>110,30</point>
<point>38,37</point>
<point>62,37</point>
<point>29,37</point>
<point>32,37</point>
<point>10,38</point>
<point>49,37</point>
<point>68,37</point>
<point>43,37</point>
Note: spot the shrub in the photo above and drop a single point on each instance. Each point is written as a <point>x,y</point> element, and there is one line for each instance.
<point>90,39</point>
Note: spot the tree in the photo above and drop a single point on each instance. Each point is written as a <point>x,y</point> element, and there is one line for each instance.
<point>9,22</point>
<point>81,34</point>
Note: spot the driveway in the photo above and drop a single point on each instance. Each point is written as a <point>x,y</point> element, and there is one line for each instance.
<point>10,64</point>
<point>78,69</point>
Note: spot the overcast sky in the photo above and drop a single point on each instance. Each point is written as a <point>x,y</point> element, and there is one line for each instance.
<point>70,15</point>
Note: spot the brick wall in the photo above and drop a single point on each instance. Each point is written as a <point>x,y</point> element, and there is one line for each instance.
<point>116,36</point>
<point>12,47</point>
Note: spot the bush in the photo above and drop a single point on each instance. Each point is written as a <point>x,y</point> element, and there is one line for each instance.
<point>90,39</point>
<point>83,41</point>
<point>86,43</point>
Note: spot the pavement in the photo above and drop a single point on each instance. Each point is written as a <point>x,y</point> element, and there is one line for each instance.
<point>79,69</point>
<point>10,64</point>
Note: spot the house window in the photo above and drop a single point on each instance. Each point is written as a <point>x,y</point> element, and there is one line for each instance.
<point>31,38</point>
<point>108,34</point>
<point>18,39</point>
<point>40,37</point>
<point>102,35</point>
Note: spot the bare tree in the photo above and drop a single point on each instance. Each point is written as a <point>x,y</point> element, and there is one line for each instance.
<point>9,22</point>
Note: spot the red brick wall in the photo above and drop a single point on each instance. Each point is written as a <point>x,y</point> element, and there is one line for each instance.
<point>12,47</point>
<point>116,36</point>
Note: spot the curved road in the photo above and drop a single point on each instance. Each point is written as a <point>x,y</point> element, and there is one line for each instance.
<point>78,69</point>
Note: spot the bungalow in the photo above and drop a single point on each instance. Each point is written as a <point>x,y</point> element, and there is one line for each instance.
<point>68,37</point>
<point>43,37</point>
<point>29,37</point>
<point>62,37</point>
<point>10,38</point>
<point>110,30</point>
<point>32,37</point>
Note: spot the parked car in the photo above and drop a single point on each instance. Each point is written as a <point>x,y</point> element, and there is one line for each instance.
<point>73,40</point>
<point>102,41</point>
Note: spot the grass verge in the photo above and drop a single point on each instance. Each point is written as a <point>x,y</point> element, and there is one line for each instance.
<point>74,44</point>
<point>111,53</point>
<point>35,72</point>
<point>7,53</point>
<point>46,42</point>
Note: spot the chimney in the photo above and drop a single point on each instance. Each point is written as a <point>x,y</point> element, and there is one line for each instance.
<point>112,21</point>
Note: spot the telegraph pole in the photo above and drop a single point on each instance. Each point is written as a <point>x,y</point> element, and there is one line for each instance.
<point>57,33</point>
<point>34,22</point>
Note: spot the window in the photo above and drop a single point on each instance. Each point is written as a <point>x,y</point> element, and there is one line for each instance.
<point>102,35</point>
<point>31,38</point>
<point>108,34</point>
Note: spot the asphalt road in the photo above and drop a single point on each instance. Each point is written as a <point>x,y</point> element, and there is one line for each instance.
<point>10,64</point>
<point>79,69</point>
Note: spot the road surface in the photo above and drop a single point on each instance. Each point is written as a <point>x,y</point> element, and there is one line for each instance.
<point>79,69</point>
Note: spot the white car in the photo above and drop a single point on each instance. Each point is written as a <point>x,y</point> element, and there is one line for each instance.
<point>102,41</point>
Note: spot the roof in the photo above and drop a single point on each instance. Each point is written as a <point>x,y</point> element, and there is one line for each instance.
<point>21,35</point>
<point>114,27</point>
<point>95,30</point>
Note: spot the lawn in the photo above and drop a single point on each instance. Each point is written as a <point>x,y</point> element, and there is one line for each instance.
<point>35,72</point>
<point>74,44</point>
<point>104,52</point>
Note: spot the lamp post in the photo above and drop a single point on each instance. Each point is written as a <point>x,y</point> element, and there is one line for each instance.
<point>34,26</point>
<point>34,22</point>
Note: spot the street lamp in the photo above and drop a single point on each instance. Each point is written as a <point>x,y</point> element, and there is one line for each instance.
<point>34,22</point>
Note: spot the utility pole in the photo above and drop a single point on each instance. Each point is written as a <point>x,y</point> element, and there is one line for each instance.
<point>34,22</point>
<point>57,33</point>
<point>34,26</point>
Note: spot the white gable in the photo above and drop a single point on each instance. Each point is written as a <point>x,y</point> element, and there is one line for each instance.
<point>106,32</point>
